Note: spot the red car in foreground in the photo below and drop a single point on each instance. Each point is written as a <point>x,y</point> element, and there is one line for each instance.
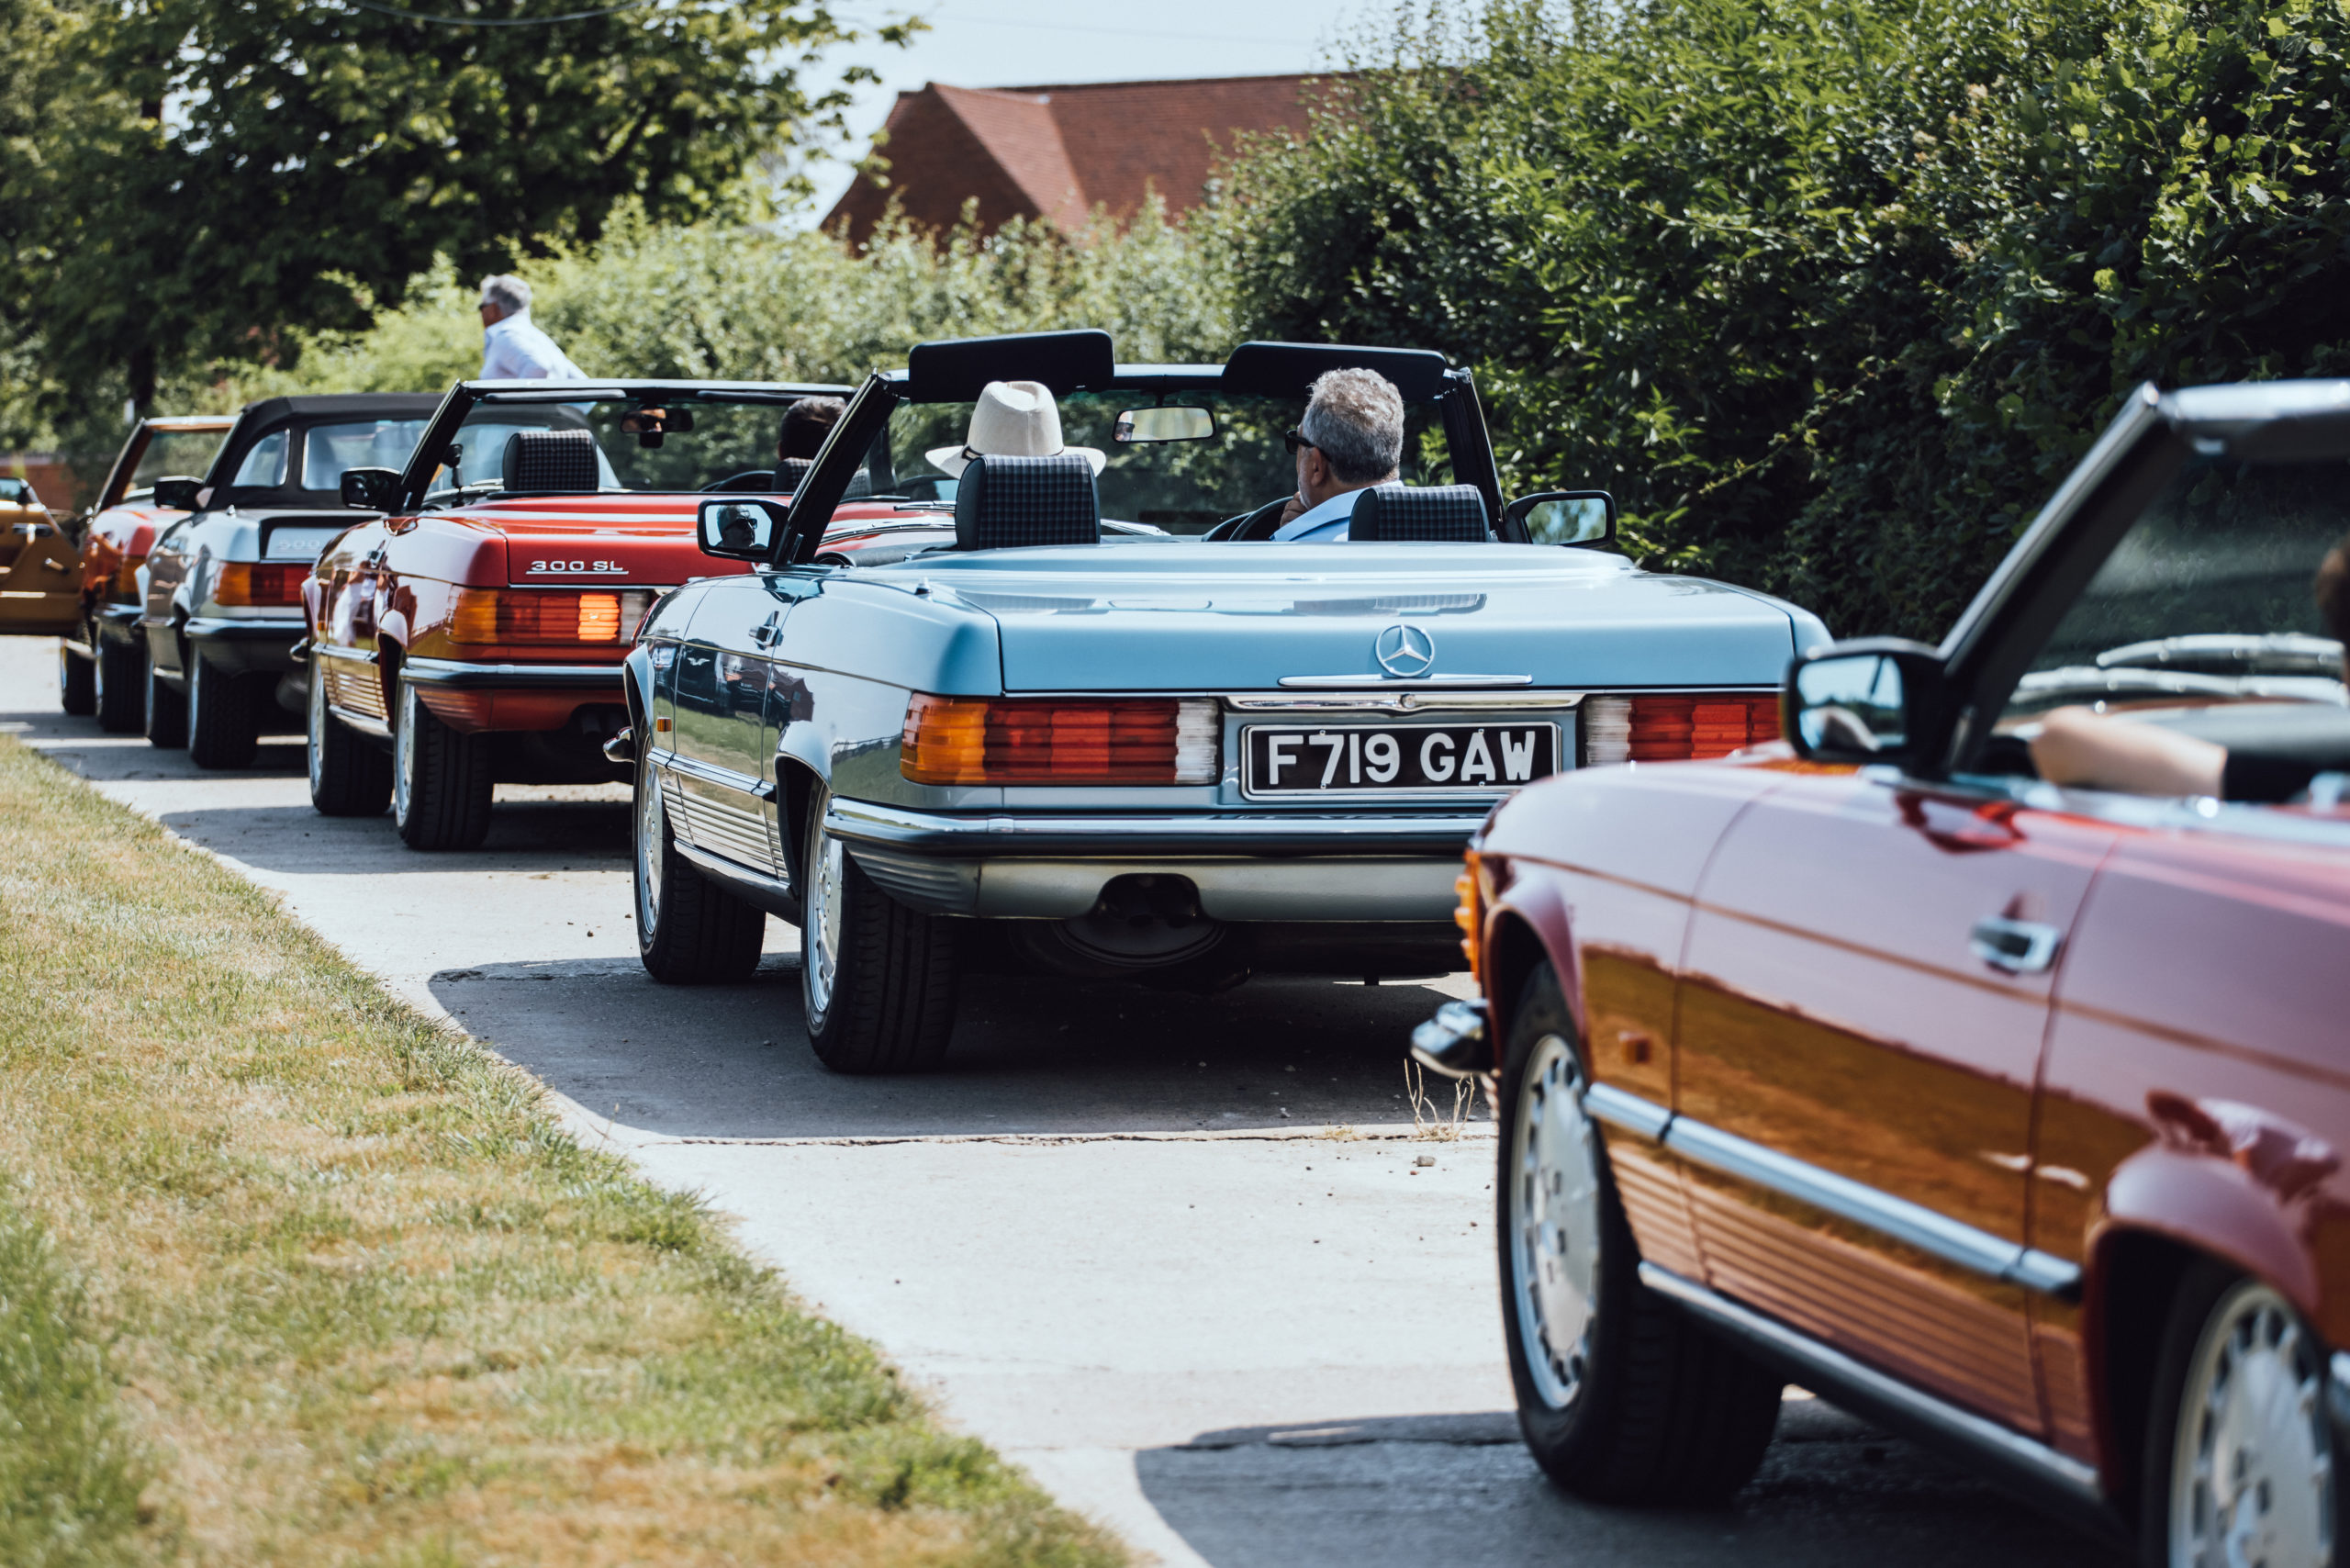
<point>473,635</point>
<point>2010,1116</point>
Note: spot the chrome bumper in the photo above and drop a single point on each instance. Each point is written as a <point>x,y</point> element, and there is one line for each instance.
<point>229,629</point>
<point>512,678</point>
<point>1254,867</point>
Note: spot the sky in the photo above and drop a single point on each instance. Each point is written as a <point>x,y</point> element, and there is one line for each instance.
<point>1003,43</point>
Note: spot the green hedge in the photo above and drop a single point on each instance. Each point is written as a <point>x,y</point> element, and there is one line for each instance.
<point>1828,294</point>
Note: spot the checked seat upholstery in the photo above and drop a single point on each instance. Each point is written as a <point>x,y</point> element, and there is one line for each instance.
<point>1389,514</point>
<point>1007,502</point>
<point>551,463</point>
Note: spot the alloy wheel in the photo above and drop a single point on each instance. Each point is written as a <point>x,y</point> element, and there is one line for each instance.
<point>823,916</point>
<point>315,753</point>
<point>403,755</point>
<point>652,818</point>
<point>1554,1218</point>
<point>2252,1473</point>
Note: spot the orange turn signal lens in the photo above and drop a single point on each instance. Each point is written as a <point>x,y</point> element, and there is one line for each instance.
<point>988,739</point>
<point>1677,728</point>
<point>490,616</point>
<point>124,588</point>
<point>1470,914</point>
<point>248,582</point>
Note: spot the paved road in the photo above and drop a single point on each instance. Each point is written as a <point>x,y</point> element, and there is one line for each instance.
<point>1123,1237</point>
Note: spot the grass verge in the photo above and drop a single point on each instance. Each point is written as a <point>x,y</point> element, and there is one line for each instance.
<point>290,1275</point>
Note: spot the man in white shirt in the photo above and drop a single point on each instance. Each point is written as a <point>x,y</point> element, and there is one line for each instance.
<point>512,348</point>
<point>1350,439</point>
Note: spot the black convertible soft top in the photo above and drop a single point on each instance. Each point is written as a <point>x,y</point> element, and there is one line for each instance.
<point>260,419</point>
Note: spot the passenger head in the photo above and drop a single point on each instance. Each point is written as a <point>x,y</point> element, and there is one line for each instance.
<point>2333,597</point>
<point>1355,419</point>
<point>806,424</point>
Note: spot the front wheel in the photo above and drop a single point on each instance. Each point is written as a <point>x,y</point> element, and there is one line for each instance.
<point>689,930</point>
<point>166,710</point>
<point>2240,1455</point>
<point>441,782</point>
<point>349,777</point>
<point>121,671</point>
<point>223,724</point>
<point>877,979</point>
<point>77,681</point>
<point>1621,1397</point>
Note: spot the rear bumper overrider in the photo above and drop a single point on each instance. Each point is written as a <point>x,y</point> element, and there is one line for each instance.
<point>1246,868</point>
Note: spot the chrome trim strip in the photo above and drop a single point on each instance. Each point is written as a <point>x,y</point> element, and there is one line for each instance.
<point>337,650</point>
<point>1211,833</point>
<point>1406,702</point>
<point>1394,683</point>
<point>456,672</point>
<point>1828,1371</point>
<point>777,898</point>
<point>1644,1118</point>
<point>1913,1225</point>
<point>206,628</point>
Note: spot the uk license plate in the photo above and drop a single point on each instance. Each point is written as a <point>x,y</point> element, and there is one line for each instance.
<point>1322,761</point>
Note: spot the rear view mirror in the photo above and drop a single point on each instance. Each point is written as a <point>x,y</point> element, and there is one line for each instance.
<point>1565,517</point>
<point>370,489</point>
<point>742,529</point>
<point>1868,701</point>
<point>1163,423</point>
<point>649,425</point>
<point>177,492</point>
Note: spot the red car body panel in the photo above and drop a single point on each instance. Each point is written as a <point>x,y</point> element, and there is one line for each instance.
<point>1779,951</point>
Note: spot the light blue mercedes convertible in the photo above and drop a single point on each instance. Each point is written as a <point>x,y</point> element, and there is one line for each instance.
<point>1024,679</point>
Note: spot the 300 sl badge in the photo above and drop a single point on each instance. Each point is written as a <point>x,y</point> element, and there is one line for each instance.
<point>577,568</point>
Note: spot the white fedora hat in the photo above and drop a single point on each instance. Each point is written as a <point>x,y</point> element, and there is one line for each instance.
<point>1012,419</point>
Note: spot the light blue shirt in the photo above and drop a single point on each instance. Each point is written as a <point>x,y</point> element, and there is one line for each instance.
<point>513,349</point>
<point>1324,524</point>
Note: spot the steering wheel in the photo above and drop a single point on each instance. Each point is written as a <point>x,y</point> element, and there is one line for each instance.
<point>1250,525</point>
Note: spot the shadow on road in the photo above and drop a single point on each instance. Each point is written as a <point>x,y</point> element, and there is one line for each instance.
<point>1030,1055</point>
<point>1415,1490</point>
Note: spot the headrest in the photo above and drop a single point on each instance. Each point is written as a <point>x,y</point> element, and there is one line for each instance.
<point>790,471</point>
<point>1003,502</point>
<point>1388,514</point>
<point>553,462</point>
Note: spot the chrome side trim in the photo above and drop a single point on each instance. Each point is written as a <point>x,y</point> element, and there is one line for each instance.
<point>208,628</point>
<point>775,897</point>
<point>336,651</point>
<point>457,672</point>
<point>1392,683</point>
<point>1831,1372</point>
<point>1641,1117</point>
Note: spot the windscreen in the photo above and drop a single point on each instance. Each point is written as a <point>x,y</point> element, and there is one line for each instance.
<point>1185,487</point>
<point>168,452</point>
<point>704,444</point>
<point>328,449</point>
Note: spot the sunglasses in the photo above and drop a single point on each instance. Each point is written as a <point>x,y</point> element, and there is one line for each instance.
<point>1295,438</point>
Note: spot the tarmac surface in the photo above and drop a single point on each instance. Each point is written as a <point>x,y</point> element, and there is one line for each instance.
<point>1175,1255</point>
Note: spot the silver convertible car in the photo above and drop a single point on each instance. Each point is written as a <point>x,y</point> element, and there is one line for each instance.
<point>1035,717</point>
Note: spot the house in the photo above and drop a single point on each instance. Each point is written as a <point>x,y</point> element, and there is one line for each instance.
<point>1057,152</point>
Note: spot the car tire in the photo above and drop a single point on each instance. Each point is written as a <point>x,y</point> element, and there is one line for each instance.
<point>349,777</point>
<point>1643,1406</point>
<point>2239,1464</point>
<point>440,779</point>
<point>164,709</point>
<point>77,681</point>
<point>877,979</point>
<point>223,724</point>
<point>120,671</point>
<point>691,930</point>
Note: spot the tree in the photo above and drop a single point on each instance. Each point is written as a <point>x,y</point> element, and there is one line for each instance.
<point>222,173</point>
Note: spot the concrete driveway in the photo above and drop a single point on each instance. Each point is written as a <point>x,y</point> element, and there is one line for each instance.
<point>1178,1255</point>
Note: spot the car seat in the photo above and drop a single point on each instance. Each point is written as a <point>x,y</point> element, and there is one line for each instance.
<point>1390,514</point>
<point>1006,501</point>
<point>558,463</point>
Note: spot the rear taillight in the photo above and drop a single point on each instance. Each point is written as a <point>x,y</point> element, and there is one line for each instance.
<point>490,616</point>
<point>1470,914</point>
<point>248,583</point>
<point>1679,728</point>
<point>987,740</point>
<point>126,578</point>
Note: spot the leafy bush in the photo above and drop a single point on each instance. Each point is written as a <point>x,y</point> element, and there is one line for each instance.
<point>1829,295</point>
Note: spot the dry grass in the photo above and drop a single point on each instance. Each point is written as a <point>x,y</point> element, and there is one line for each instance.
<point>328,1286</point>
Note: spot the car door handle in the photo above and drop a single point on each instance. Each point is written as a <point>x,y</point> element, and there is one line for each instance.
<point>766,632</point>
<point>2018,946</point>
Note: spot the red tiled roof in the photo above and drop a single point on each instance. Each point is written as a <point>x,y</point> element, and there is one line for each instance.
<point>1058,151</point>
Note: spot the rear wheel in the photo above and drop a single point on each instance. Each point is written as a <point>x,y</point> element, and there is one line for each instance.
<point>166,710</point>
<point>689,929</point>
<point>440,779</point>
<point>77,681</point>
<point>1621,1398</point>
<point>349,777</point>
<point>2240,1455</point>
<point>223,722</point>
<point>877,979</point>
<point>120,670</point>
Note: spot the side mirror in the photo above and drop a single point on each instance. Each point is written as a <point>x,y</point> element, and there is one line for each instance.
<point>742,529</point>
<point>372,489</point>
<point>1875,700</point>
<point>178,492</point>
<point>1565,517</point>
<point>1163,423</point>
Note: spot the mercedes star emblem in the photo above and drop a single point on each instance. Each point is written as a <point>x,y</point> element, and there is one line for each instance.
<point>1404,651</point>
